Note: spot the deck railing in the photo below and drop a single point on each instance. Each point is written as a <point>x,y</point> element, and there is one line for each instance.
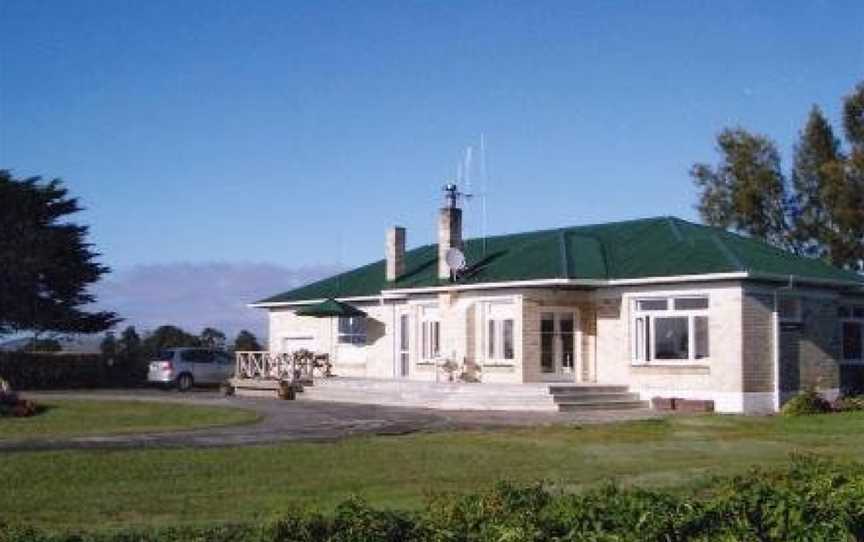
<point>286,366</point>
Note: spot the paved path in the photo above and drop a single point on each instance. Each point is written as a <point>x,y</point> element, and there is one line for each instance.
<point>284,421</point>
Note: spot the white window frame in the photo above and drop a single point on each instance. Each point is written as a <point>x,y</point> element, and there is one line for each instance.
<point>430,334</point>
<point>495,314</point>
<point>640,333</point>
<point>851,319</point>
<point>354,339</point>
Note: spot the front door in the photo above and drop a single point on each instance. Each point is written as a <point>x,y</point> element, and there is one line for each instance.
<point>404,355</point>
<point>558,340</point>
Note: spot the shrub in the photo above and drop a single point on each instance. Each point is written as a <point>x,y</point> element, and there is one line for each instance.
<point>849,403</point>
<point>809,500</point>
<point>806,402</point>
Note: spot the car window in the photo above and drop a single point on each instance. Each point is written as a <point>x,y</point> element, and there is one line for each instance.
<point>198,356</point>
<point>165,355</point>
<point>224,357</point>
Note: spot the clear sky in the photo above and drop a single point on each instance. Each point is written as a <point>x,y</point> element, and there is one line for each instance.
<point>294,133</point>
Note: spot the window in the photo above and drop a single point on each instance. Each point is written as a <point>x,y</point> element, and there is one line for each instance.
<point>852,328</point>
<point>789,309</point>
<point>499,331</point>
<point>431,337</point>
<point>671,329</point>
<point>352,330</point>
<point>500,339</point>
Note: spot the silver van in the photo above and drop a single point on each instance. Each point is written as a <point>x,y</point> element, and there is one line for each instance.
<point>185,367</point>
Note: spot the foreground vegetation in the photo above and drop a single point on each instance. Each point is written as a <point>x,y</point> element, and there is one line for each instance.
<point>159,487</point>
<point>810,500</point>
<point>65,418</point>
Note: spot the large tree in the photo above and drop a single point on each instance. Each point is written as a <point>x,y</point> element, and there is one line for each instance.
<point>746,191</point>
<point>46,263</point>
<point>817,210</point>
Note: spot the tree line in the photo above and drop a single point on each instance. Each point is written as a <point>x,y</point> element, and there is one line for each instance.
<point>131,350</point>
<point>816,208</point>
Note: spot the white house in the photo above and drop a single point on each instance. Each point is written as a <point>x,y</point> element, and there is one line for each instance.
<point>660,306</point>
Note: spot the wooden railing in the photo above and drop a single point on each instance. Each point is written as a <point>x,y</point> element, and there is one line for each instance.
<point>285,366</point>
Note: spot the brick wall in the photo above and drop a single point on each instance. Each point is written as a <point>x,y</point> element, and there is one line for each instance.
<point>757,338</point>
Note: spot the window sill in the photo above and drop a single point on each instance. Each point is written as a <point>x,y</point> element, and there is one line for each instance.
<point>673,367</point>
<point>499,364</point>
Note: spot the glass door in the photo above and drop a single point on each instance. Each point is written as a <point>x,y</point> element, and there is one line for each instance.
<point>404,345</point>
<point>558,345</point>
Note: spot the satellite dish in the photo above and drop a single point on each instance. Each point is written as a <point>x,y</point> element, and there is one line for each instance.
<point>455,259</point>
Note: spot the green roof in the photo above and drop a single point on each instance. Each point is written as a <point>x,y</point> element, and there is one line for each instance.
<point>646,248</point>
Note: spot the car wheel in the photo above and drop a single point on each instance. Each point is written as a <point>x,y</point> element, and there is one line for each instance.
<point>184,382</point>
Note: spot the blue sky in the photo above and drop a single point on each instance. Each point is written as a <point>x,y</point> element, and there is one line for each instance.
<point>294,133</point>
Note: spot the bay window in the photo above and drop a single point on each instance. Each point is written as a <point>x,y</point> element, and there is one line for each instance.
<point>671,329</point>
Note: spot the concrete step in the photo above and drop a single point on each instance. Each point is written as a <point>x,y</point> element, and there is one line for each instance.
<point>602,405</point>
<point>594,397</point>
<point>586,388</point>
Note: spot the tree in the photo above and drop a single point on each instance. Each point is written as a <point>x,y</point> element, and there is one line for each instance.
<point>246,341</point>
<point>168,337</point>
<point>129,345</point>
<point>212,338</point>
<point>108,346</point>
<point>820,212</point>
<point>46,264</point>
<point>816,157</point>
<point>746,191</point>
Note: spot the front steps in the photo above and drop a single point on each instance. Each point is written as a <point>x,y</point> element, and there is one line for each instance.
<point>483,396</point>
<point>586,398</point>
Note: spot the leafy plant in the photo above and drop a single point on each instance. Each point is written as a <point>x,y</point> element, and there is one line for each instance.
<point>805,403</point>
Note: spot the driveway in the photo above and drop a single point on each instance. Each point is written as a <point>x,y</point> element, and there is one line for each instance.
<point>285,421</point>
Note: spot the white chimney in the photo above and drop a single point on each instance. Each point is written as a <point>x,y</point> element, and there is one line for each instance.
<point>395,253</point>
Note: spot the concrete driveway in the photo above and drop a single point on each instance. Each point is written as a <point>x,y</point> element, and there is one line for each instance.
<point>284,421</point>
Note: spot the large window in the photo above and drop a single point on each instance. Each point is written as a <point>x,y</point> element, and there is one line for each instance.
<point>852,327</point>
<point>671,329</point>
<point>352,330</point>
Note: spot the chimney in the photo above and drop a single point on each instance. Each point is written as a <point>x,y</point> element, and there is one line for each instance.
<point>449,229</point>
<point>395,253</point>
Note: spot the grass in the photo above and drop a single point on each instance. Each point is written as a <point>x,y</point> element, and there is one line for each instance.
<point>65,418</point>
<point>157,487</point>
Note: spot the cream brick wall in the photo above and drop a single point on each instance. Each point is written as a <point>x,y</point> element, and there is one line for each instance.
<point>718,378</point>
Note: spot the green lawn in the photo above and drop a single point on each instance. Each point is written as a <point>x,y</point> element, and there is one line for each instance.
<point>108,488</point>
<point>63,418</point>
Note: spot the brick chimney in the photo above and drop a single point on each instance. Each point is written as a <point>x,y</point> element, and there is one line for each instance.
<point>395,253</point>
<point>449,229</point>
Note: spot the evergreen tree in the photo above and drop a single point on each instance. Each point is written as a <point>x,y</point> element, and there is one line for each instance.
<point>46,263</point>
<point>816,157</point>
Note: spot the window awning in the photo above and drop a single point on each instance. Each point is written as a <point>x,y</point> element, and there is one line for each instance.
<point>330,308</point>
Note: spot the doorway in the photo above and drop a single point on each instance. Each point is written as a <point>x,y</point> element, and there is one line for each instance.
<point>559,337</point>
<point>404,350</point>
